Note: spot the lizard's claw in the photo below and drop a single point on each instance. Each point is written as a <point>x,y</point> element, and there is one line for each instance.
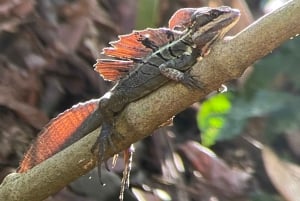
<point>191,81</point>
<point>99,147</point>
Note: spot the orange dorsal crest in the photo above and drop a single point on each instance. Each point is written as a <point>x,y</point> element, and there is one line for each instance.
<point>130,49</point>
<point>181,19</point>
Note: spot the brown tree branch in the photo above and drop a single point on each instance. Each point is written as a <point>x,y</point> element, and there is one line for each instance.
<point>227,60</point>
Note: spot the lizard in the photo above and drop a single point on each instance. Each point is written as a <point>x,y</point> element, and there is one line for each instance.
<point>141,62</point>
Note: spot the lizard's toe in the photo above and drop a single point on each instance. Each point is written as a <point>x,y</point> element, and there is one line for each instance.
<point>191,82</point>
<point>99,147</point>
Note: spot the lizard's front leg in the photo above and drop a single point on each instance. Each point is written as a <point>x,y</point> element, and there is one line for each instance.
<point>178,70</point>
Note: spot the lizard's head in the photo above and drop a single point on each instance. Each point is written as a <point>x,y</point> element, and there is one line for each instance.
<point>211,24</point>
<point>204,25</point>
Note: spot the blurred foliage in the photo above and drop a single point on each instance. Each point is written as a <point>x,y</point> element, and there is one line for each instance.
<point>211,118</point>
<point>262,196</point>
<point>272,92</point>
<point>147,14</point>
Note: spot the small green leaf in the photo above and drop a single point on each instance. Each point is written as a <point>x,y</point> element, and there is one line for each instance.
<point>210,119</point>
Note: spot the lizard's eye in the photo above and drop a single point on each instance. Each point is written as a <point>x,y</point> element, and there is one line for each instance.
<point>215,14</point>
<point>200,19</point>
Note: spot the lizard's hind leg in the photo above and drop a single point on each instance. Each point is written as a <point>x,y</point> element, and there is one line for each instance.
<point>99,147</point>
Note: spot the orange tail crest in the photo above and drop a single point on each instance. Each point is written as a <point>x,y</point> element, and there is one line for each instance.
<point>57,133</point>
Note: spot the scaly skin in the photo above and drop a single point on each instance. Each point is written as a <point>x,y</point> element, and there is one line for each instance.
<point>170,62</point>
<point>192,33</point>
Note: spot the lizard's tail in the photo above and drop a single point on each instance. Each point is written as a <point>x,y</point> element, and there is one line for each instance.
<point>62,131</point>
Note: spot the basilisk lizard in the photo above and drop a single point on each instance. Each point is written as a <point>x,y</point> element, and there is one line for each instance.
<point>142,62</point>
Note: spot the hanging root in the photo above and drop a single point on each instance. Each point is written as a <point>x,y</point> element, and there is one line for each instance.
<point>128,153</point>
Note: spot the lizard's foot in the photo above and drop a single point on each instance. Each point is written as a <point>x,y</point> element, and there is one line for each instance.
<point>183,77</point>
<point>99,147</point>
<point>191,81</point>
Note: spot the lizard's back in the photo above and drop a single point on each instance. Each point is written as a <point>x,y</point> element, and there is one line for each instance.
<point>139,68</point>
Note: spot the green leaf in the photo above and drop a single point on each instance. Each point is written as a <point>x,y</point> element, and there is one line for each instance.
<point>211,119</point>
